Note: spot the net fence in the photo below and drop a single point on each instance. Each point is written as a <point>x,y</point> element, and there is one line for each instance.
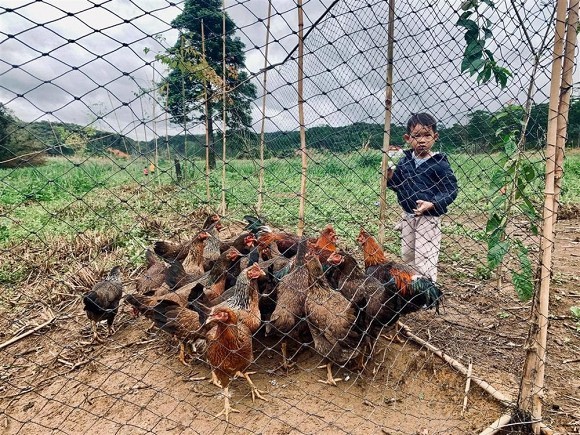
<point>108,157</point>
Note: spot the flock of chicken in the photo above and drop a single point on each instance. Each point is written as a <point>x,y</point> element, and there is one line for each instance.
<point>216,295</point>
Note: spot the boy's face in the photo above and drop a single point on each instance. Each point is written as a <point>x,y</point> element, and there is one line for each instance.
<point>421,139</point>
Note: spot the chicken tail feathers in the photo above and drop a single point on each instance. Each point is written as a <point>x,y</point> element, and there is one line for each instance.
<point>202,310</point>
<point>255,225</point>
<point>423,293</point>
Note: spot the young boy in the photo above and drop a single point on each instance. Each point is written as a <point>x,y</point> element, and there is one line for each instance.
<point>425,185</point>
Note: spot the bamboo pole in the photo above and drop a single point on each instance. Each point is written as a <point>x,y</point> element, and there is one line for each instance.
<point>532,384</point>
<point>156,160</point>
<point>206,109</point>
<point>27,333</point>
<point>497,425</point>
<point>167,121</point>
<point>505,399</point>
<point>183,100</point>
<point>565,94</point>
<point>301,118</point>
<point>467,385</point>
<point>488,388</point>
<point>387,127</point>
<point>263,127</point>
<point>224,127</point>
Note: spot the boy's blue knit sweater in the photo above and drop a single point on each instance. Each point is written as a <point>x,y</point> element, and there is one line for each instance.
<point>432,181</point>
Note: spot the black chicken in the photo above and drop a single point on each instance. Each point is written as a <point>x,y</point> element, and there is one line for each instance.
<point>102,302</point>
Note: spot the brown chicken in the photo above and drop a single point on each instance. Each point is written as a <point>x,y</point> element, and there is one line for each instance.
<point>414,290</point>
<point>154,275</point>
<point>377,306</point>
<point>229,352</point>
<point>212,251</point>
<point>331,320</point>
<point>179,274</point>
<point>242,297</point>
<point>276,267</point>
<point>102,302</point>
<point>325,244</point>
<point>171,251</point>
<point>244,243</point>
<point>170,316</point>
<point>167,309</point>
<point>287,318</point>
<point>223,274</point>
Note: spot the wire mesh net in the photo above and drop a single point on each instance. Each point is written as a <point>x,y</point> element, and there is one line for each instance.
<point>108,157</point>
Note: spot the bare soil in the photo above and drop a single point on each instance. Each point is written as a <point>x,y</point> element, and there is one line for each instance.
<point>133,383</point>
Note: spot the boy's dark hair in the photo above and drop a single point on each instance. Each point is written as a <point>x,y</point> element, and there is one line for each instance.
<point>421,119</point>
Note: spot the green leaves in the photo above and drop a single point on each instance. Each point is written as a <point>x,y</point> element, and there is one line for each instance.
<point>523,279</point>
<point>510,192</point>
<point>477,60</point>
<point>497,252</point>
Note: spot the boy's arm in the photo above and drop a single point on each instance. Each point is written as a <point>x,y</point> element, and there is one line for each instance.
<point>447,187</point>
<point>394,178</point>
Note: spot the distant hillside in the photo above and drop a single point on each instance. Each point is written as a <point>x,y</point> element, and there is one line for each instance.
<point>478,135</point>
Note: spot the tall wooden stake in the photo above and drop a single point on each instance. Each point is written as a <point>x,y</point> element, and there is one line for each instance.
<point>167,121</point>
<point>223,203</point>
<point>263,128</point>
<point>183,101</point>
<point>565,94</point>
<point>301,118</point>
<point>156,161</point>
<point>532,385</point>
<point>207,115</point>
<point>387,128</point>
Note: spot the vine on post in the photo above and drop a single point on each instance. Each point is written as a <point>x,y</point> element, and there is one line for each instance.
<point>510,184</point>
<point>510,192</point>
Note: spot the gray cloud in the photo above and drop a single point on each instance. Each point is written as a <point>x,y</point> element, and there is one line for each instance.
<point>345,61</point>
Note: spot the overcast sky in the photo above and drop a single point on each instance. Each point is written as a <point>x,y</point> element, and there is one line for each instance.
<point>76,61</point>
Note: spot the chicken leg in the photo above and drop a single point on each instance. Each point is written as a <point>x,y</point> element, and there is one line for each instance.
<point>255,391</point>
<point>227,408</point>
<point>214,380</point>
<point>182,354</point>
<point>96,337</point>
<point>286,362</point>
<point>330,380</point>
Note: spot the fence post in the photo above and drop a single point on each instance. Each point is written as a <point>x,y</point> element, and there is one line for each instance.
<point>224,96</point>
<point>387,127</point>
<point>301,118</point>
<point>532,383</point>
<point>565,93</point>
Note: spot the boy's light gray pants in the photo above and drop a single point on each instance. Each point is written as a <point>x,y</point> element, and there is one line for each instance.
<point>420,243</point>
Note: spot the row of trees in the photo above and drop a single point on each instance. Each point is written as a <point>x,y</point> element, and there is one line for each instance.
<point>477,135</point>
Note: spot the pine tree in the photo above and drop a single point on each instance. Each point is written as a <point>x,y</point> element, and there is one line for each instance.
<point>185,83</point>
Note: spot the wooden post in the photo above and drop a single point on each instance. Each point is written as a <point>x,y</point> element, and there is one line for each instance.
<point>263,128</point>
<point>387,127</point>
<point>207,115</point>
<point>301,118</point>
<point>565,93</point>
<point>224,127</point>
<point>156,160</point>
<point>183,100</point>
<point>532,384</point>
<point>167,120</point>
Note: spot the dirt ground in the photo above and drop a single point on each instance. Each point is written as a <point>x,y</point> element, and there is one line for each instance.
<point>134,383</point>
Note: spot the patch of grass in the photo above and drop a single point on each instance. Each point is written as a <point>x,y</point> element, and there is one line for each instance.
<point>71,196</point>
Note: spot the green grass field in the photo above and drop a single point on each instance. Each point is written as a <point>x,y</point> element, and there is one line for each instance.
<point>69,196</point>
